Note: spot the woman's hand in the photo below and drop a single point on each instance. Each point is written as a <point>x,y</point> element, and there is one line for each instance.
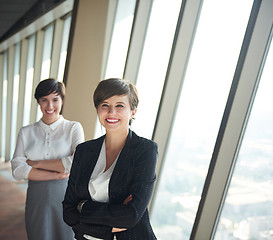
<point>62,175</point>
<point>33,163</point>
<point>118,229</point>
<point>125,202</point>
<point>53,165</point>
<point>44,175</point>
<point>128,199</point>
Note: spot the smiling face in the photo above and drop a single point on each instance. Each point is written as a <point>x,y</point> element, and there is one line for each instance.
<point>115,113</point>
<point>50,106</point>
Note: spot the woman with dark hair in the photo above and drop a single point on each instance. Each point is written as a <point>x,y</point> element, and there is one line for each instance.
<point>43,156</point>
<point>112,177</point>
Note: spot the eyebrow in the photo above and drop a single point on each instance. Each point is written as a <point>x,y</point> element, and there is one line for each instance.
<point>115,103</point>
<point>56,97</point>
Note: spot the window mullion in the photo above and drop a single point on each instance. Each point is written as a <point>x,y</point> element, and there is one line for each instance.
<point>142,15</point>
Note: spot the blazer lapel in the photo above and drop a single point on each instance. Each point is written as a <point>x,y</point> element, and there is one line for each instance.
<point>123,160</point>
<point>88,162</point>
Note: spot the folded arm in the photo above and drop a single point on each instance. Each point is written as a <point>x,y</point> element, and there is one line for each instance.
<point>71,215</point>
<point>42,175</point>
<point>117,216</point>
<point>121,215</point>
<point>55,165</point>
<point>49,169</point>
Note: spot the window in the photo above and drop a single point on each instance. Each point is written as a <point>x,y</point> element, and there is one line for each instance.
<point>120,38</point>
<point>67,23</point>
<point>248,211</point>
<point>47,52</point>
<point>119,45</point>
<point>16,77</point>
<point>48,38</point>
<point>206,86</point>
<point>4,105</point>
<point>29,80</point>
<point>154,63</point>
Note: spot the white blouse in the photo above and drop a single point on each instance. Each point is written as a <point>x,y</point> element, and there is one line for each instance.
<point>40,141</point>
<point>99,181</point>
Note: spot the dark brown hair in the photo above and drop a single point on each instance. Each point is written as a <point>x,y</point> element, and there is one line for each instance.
<point>48,86</point>
<point>115,86</point>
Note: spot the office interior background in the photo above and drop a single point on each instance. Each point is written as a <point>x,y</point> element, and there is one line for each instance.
<point>204,71</point>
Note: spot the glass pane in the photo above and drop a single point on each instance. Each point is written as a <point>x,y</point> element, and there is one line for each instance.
<point>119,45</point>
<point>154,63</point>
<point>4,106</point>
<point>199,112</point>
<point>66,30</point>
<point>16,76</point>
<point>48,40</point>
<point>248,208</point>
<point>29,80</point>
<point>120,38</point>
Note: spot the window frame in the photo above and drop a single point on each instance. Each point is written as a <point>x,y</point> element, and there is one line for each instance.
<point>245,83</point>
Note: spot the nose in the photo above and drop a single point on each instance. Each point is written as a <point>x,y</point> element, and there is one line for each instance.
<point>112,110</point>
<point>50,104</point>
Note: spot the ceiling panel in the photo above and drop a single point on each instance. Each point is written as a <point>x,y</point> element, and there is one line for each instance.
<point>15,14</point>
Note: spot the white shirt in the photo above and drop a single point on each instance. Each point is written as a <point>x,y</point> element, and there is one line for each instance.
<point>40,141</point>
<point>99,181</point>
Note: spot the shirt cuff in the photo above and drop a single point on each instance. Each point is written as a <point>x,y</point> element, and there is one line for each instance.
<point>21,173</point>
<point>66,161</point>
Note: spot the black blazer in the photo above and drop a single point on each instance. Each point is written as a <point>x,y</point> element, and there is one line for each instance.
<point>134,174</point>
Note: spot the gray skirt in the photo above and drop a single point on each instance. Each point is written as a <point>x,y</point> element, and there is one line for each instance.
<point>44,211</point>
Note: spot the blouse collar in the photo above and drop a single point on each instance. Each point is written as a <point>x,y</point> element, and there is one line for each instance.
<point>52,126</point>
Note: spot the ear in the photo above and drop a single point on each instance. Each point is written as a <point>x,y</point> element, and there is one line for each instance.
<point>133,113</point>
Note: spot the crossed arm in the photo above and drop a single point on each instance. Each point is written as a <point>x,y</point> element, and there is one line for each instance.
<point>46,170</point>
<point>23,167</point>
<point>104,218</point>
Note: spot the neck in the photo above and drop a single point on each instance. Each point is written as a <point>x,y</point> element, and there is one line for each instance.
<point>49,121</point>
<point>116,140</point>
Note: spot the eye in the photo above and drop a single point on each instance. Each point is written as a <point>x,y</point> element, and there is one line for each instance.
<point>104,105</point>
<point>56,99</point>
<point>120,106</point>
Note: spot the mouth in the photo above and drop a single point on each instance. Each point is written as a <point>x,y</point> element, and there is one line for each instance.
<point>112,120</point>
<point>49,112</point>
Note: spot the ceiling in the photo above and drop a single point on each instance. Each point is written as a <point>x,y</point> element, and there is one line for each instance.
<point>16,14</point>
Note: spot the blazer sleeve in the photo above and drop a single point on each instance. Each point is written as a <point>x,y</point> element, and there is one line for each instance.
<point>71,215</point>
<point>127,216</point>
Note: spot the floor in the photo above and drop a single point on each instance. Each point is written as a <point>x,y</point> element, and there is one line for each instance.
<point>12,205</point>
